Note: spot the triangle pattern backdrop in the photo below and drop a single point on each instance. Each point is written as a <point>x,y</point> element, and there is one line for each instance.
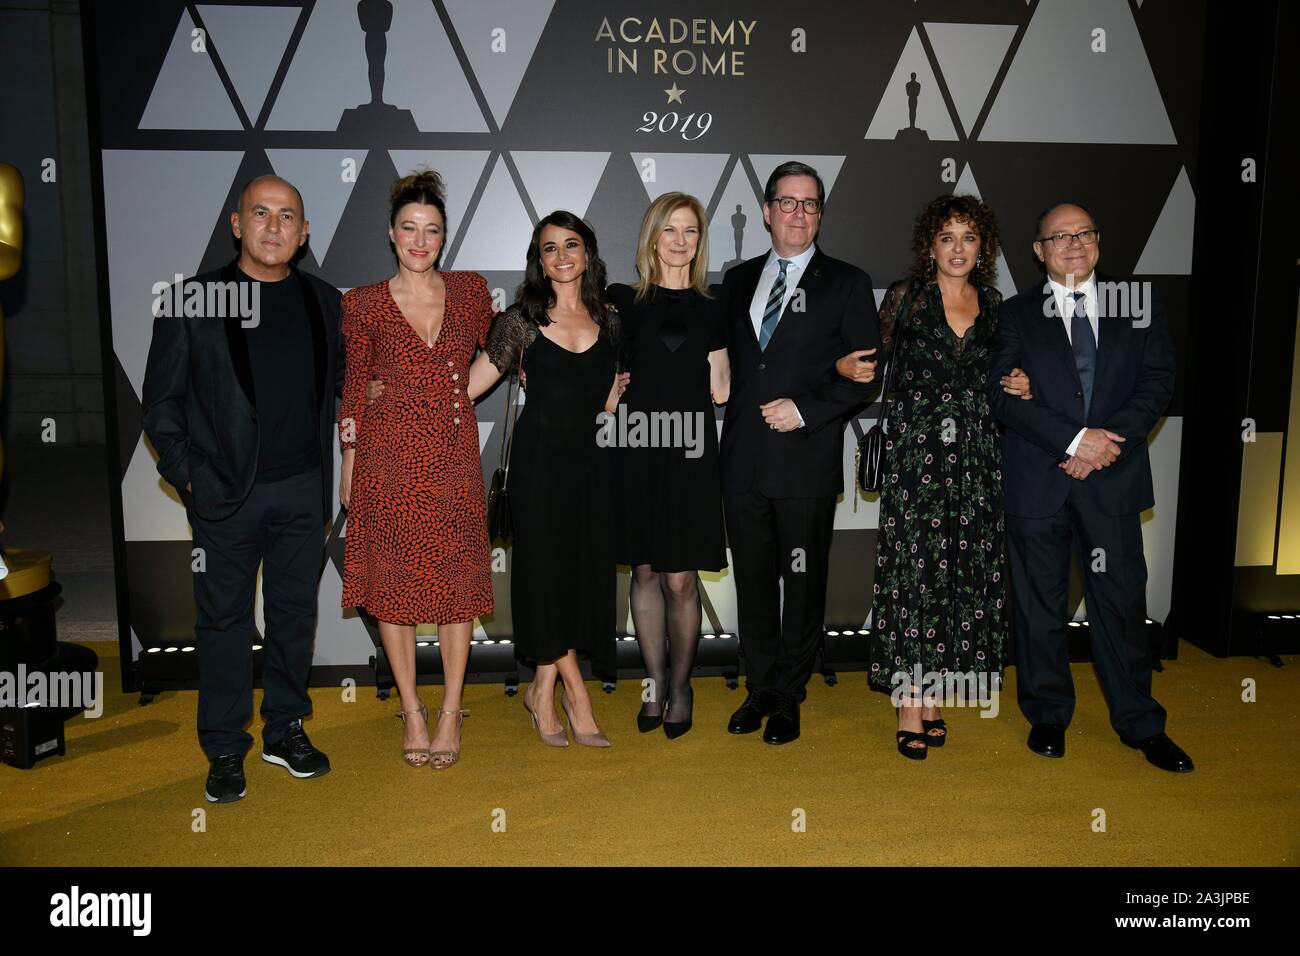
<point>515,105</point>
<point>251,42</point>
<point>188,93</point>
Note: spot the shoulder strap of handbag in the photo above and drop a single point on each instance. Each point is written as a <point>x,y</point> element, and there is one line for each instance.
<point>512,409</point>
<point>900,319</point>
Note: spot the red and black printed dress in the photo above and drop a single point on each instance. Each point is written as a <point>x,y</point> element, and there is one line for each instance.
<point>417,548</point>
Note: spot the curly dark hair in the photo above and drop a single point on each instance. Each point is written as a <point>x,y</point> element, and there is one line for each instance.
<point>968,209</point>
<point>536,295</point>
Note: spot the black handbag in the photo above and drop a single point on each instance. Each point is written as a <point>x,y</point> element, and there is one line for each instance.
<point>499,523</point>
<point>871,446</point>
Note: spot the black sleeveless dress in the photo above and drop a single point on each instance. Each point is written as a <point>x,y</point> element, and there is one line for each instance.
<point>562,574</point>
<point>670,498</point>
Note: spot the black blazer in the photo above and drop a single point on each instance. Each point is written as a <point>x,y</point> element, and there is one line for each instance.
<point>1131,390</point>
<point>799,364</point>
<point>200,411</point>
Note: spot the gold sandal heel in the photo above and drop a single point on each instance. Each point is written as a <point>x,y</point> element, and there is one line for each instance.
<point>412,755</point>
<point>450,756</point>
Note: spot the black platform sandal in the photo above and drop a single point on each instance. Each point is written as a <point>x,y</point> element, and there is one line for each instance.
<point>905,739</point>
<point>935,740</point>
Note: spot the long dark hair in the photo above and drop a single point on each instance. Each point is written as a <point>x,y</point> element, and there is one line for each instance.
<point>536,296</point>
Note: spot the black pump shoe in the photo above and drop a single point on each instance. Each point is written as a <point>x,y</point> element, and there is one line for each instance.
<point>647,724</point>
<point>675,729</point>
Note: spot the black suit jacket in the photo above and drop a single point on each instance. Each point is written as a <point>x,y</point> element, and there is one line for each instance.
<point>1133,384</point>
<point>839,316</point>
<point>200,411</point>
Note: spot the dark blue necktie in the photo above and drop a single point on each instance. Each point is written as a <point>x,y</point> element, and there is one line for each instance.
<point>1085,347</point>
<point>775,303</point>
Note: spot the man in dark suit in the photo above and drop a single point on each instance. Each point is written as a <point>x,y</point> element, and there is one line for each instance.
<point>791,313</point>
<point>1075,470</point>
<point>239,405</point>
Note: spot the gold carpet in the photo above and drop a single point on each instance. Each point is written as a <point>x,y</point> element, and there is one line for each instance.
<point>130,789</point>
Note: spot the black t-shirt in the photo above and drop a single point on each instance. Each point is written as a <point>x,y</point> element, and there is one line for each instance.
<point>284,382</point>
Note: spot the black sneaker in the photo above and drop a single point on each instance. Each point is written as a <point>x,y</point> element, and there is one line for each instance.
<point>226,782</point>
<point>296,754</point>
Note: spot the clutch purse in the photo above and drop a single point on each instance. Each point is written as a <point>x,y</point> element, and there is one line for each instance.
<point>499,523</point>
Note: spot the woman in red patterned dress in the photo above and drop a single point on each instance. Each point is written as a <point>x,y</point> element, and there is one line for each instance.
<point>417,549</point>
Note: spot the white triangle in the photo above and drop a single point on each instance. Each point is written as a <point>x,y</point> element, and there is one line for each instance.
<point>192,185</point>
<point>969,55</point>
<point>318,174</point>
<point>891,117</point>
<point>188,93</point>
<point>1004,282</point>
<point>339,639</point>
<point>1058,90</point>
<point>560,180</point>
<point>695,174</point>
<point>251,42</point>
<point>151,508</point>
<point>497,238</point>
<point>1168,251</point>
<point>460,170</point>
<point>722,229</point>
<point>880,296</point>
<point>484,433</point>
<point>828,167</point>
<point>499,37</point>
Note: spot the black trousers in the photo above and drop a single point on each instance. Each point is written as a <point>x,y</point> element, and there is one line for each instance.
<point>780,553</point>
<point>1039,549</point>
<point>279,527</point>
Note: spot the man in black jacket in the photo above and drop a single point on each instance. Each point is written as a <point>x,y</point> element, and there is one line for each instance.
<point>239,397</point>
<point>791,313</point>
<point>1075,470</point>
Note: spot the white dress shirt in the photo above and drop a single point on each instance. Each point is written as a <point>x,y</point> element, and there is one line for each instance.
<point>1064,309</point>
<point>767,278</point>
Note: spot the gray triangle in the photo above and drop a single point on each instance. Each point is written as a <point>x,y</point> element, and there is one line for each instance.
<point>499,71</point>
<point>560,180</point>
<point>460,170</point>
<point>497,238</point>
<point>726,225</point>
<point>1058,91</point>
<point>1168,251</point>
<point>188,93</point>
<point>969,56</point>
<point>828,167</point>
<point>891,118</point>
<point>1004,282</point>
<point>329,73</point>
<point>251,42</point>
<point>318,174</point>
<point>696,174</point>
<point>192,186</point>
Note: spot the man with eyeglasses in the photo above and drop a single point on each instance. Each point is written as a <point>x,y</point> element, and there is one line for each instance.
<point>1076,473</point>
<point>791,313</point>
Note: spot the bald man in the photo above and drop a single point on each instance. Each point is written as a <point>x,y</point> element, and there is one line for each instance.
<point>239,398</point>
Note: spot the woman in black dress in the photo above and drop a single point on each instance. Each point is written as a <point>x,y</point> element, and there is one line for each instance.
<point>939,616</point>
<point>670,494</point>
<point>562,585</point>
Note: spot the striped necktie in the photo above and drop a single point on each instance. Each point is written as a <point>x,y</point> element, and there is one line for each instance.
<point>775,302</point>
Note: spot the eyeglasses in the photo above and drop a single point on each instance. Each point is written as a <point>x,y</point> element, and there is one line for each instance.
<point>787,204</point>
<point>1086,238</point>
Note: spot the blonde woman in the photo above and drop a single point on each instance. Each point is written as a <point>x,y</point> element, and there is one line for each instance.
<point>670,502</point>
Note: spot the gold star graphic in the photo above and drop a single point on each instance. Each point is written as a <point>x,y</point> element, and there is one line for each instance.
<point>674,94</point>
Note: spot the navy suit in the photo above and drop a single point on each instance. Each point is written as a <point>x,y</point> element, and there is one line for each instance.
<point>1048,512</point>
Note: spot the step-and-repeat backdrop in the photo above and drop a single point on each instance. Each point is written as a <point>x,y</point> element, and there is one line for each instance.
<point>598,106</point>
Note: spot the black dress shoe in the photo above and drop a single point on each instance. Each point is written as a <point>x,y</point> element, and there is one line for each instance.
<point>646,724</point>
<point>226,782</point>
<point>676,728</point>
<point>296,754</point>
<point>1048,740</point>
<point>783,726</point>
<point>749,717</point>
<point>1164,753</point>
